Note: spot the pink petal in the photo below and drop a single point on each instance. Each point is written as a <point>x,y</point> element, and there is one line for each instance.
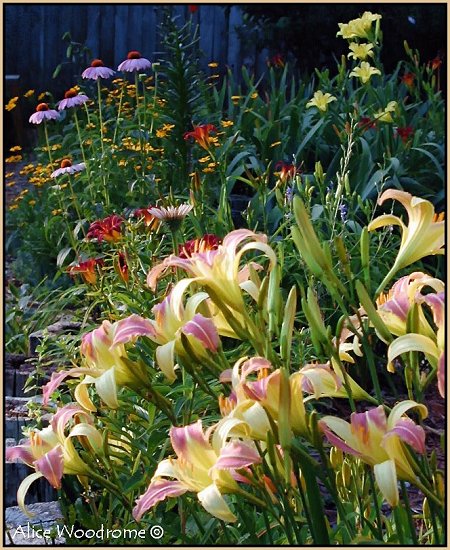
<point>132,326</point>
<point>182,438</point>
<point>236,455</point>
<point>410,433</point>
<point>51,466</point>
<point>157,491</point>
<point>204,330</point>
<point>337,441</point>
<point>55,381</point>
<point>66,413</point>
<point>225,376</point>
<point>19,452</point>
<point>363,422</point>
<point>437,304</point>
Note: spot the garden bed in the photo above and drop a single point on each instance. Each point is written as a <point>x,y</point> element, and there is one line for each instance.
<point>233,295</point>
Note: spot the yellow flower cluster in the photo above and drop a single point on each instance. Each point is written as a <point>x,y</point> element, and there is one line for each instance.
<point>13,158</point>
<point>165,130</point>
<point>29,93</point>
<point>12,104</point>
<point>15,149</point>
<point>362,28</point>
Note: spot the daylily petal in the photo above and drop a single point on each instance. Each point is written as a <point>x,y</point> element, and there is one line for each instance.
<point>410,433</point>
<point>157,491</point>
<point>204,330</point>
<point>107,388</point>
<point>344,438</point>
<point>237,455</point>
<point>165,360</point>
<point>51,466</point>
<point>23,490</point>
<point>401,408</point>
<point>386,477</point>
<point>413,342</point>
<point>131,327</point>
<point>213,502</point>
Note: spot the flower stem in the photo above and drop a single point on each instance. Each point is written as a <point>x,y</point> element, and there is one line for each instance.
<point>88,172</point>
<point>47,143</point>
<point>105,190</point>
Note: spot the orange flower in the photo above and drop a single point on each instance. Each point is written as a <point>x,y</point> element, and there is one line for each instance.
<point>86,270</point>
<point>201,135</point>
<point>408,79</point>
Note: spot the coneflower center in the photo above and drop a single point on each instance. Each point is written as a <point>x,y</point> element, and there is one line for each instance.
<point>134,55</point>
<point>70,93</point>
<point>66,163</point>
<point>97,63</point>
<point>42,107</point>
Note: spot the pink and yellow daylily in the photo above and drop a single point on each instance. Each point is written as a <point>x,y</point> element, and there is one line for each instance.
<point>106,364</point>
<point>252,401</point>
<point>379,442</point>
<point>394,306</point>
<point>432,346</point>
<point>203,467</point>
<point>423,236</point>
<point>172,318</point>
<point>218,271</point>
<point>51,451</point>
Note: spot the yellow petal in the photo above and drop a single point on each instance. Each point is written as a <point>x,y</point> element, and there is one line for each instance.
<point>213,502</point>
<point>386,477</point>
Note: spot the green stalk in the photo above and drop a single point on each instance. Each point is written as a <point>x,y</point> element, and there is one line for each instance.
<point>74,198</point>
<point>47,142</point>
<point>408,512</point>
<point>83,154</point>
<point>118,116</point>
<point>105,190</point>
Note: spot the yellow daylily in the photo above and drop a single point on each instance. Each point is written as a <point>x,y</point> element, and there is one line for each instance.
<point>321,101</point>
<point>172,319</point>
<point>365,72</point>
<point>378,441</point>
<point>360,51</point>
<point>423,236</point>
<point>385,114</point>
<point>358,28</point>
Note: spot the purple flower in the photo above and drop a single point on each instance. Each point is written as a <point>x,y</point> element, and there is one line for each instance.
<point>134,62</point>
<point>72,99</point>
<point>43,113</point>
<point>67,168</point>
<point>97,70</point>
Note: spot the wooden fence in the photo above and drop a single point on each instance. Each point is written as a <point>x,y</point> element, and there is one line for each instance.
<point>33,44</point>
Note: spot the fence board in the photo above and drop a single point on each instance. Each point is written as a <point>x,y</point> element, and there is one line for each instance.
<point>33,44</point>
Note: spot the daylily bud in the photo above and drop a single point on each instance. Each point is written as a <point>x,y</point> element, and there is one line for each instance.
<point>314,316</point>
<point>274,300</point>
<point>336,457</point>
<point>346,473</point>
<point>372,313</point>
<point>288,326</point>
